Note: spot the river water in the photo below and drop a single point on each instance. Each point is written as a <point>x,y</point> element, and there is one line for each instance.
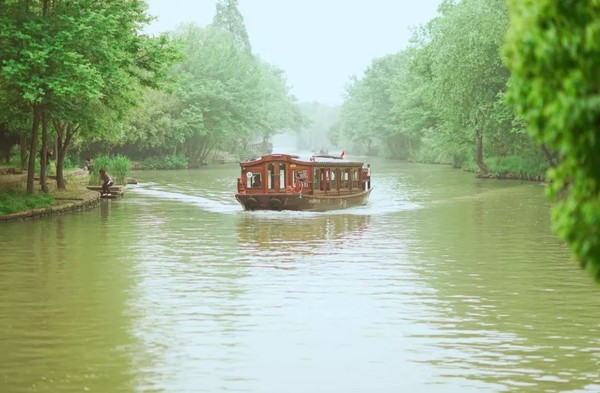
<point>442,283</point>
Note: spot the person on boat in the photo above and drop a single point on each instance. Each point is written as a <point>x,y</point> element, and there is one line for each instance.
<point>107,181</point>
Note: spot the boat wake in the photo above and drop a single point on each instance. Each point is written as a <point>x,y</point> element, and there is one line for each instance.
<point>207,204</point>
<point>380,203</point>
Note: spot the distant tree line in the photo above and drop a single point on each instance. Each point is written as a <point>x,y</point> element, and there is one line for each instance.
<point>442,99</point>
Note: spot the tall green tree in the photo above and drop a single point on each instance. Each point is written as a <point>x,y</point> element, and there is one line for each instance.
<point>228,17</point>
<point>227,97</point>
<point>76,64</point>
<point>151,128</point>
<point>387,106</point>
<point>218,93</point>
<point>370,99</point>
<point>553,51</point>
<point>355,114</point>
<point>278,109</point>
<point>467,75</point>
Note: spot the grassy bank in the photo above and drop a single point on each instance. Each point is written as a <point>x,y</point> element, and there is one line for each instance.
<point>14,200</point>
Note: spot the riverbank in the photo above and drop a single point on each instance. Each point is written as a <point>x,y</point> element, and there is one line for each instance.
<point>76,197</point>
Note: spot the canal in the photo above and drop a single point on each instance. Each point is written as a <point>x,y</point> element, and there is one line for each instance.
<point>442,283</point>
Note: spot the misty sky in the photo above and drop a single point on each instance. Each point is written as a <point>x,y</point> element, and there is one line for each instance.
<point>319,44</point>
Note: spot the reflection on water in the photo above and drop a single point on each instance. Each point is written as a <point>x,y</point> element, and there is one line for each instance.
<point>62,326</point>
<point>297,234</point>
<point>441,283</point>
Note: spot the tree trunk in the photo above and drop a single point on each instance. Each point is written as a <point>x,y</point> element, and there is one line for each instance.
<point>44,153</point>
<point>64,134</point>
<point>548,155</point>
<point>33,148</point>
<point>63,141</point>
<point>479,155</point>
<point>60,159</point>
<point>23,152</point>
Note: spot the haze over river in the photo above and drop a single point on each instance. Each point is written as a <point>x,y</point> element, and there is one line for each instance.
<point>442,283</point>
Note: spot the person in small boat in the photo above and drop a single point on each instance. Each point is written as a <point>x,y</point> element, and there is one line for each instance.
<point>107,181</point>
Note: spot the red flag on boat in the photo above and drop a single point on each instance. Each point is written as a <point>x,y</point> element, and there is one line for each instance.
<point>343,154</point>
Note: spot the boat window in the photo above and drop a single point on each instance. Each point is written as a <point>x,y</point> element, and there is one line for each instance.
<point>282,176</point>
<point>325,179</point>
<point>300,178</point>
<point>253,180</point>
<point>316,179</point>
<point>345,178</point>
<point>334,179</point>
<point>256,182</point>
<point>355,178</point>
<point>271,177</point>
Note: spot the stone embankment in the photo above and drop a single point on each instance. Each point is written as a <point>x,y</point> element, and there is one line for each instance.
<point>75,198</point>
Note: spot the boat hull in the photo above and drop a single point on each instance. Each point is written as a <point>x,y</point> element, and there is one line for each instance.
<point>301,202</point>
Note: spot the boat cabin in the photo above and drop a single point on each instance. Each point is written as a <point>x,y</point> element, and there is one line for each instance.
<point>282,173</point>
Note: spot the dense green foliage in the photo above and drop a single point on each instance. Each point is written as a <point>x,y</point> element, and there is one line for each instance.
<point>12,201</point>
<point>165,162</point>
<point>553,51</point>
<point>442,98</point>
<point>76,66</point>
<point>117,166</point>
<point>84,74</point>
<point>224,98</point>
<point>229,18</point>
<point>385,107</point>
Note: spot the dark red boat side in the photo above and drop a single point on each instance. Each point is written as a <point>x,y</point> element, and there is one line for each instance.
<point>287,182</point>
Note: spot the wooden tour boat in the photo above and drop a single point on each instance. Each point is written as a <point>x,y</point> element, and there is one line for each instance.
<point>287,182</point>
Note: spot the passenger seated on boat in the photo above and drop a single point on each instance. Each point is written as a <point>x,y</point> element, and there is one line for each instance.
<point>256,183</point>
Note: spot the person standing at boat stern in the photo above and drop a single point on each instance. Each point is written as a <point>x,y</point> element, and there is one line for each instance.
<point>107,181</point>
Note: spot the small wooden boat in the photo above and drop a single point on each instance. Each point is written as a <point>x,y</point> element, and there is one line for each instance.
<point>287,182</point>
<point>116,192</point>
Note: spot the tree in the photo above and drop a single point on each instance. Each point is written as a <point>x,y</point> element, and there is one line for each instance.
<point>278,109</point>
<point>77,65</point>
<point>386,105</point>
<point>354,122</point>
<point>553,51</point>
<point>218,92</point>
<point>466,71</point>
<point>151,128</point>
<point>228,17</point>
<point>226,96</point>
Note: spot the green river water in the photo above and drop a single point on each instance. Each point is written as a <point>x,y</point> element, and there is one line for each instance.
<point>442,283</point>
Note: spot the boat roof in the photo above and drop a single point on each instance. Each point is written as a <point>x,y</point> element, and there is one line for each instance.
<point>308,160</point>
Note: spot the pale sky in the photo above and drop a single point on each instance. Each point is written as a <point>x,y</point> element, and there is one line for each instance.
<point>319,44</point>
